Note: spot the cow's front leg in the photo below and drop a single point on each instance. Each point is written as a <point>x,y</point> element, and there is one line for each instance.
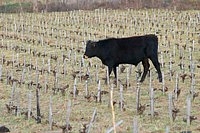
<point>146,66</point>
<point>109,70</point>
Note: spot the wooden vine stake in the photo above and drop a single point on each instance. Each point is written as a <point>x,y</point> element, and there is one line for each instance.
<point>139,71</point>
<point>162,60</point>
<point>23,73</point>
<point>137,97</point>
<point>163,83</point>
<point>29,104</point>
<point>188,110</point>
<point>121,98</point>
<point>152,102</point>
<point>190,58</point>
<point>45,83</point>
<point>107,77</point>
<point>49,65</point>
<point>151,96</point>
<point>192,89</point>
<point>176,87</point>
<point>50,114</point>
<point>64,68</point>
<point>112,128</point>
<point>96,73</point>
<point>75,88</point>
<point>170,66</point>
<point>38,118</point>
<point>13,93</point>
<point>99,92</point>
<point>86,88</point>
<point>17,112</point>
<point>167,130</point>
<point>2,58</point>
<point>127,78</point>
<point>92,120</point>
<point>117,72</point>
<point>1,69</point>
<point>135,125</point>
<point>170,102</point>
<point>150,82</point>
<point>112,107</point>
<point>68,115</point>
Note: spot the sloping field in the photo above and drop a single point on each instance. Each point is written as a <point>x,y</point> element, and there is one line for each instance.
<point>41,57</point>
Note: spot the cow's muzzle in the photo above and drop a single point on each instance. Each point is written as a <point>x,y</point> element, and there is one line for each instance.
<point>85,56</point>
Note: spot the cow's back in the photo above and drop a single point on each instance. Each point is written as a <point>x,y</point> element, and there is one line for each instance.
<point>130,50</point>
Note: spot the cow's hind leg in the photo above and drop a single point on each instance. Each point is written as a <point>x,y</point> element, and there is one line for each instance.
<point>157,66</point>
<point>146,66</point>
<point>115,71</point>
<point>108,74</point>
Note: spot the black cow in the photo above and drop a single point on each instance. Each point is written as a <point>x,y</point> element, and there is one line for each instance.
<point>131,50</point>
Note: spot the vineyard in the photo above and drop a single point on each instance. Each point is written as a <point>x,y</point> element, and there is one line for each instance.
<point>47,86</point>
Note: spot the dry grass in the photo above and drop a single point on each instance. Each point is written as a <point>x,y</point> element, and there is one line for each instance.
<point>70,30</point>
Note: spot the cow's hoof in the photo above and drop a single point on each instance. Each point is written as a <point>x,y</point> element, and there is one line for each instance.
<point>141,80</point>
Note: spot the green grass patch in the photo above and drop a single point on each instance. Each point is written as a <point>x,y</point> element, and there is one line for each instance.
<point>16,7</point>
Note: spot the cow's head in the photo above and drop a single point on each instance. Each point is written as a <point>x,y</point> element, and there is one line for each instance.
<point>90,49</point>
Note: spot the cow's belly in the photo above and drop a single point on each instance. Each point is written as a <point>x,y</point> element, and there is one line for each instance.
<point>131,60</point>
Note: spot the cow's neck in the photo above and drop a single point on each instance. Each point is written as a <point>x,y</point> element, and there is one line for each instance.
<point>101,56</point>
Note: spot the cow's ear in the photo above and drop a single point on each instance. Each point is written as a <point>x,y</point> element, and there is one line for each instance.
<point>88,42</point>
